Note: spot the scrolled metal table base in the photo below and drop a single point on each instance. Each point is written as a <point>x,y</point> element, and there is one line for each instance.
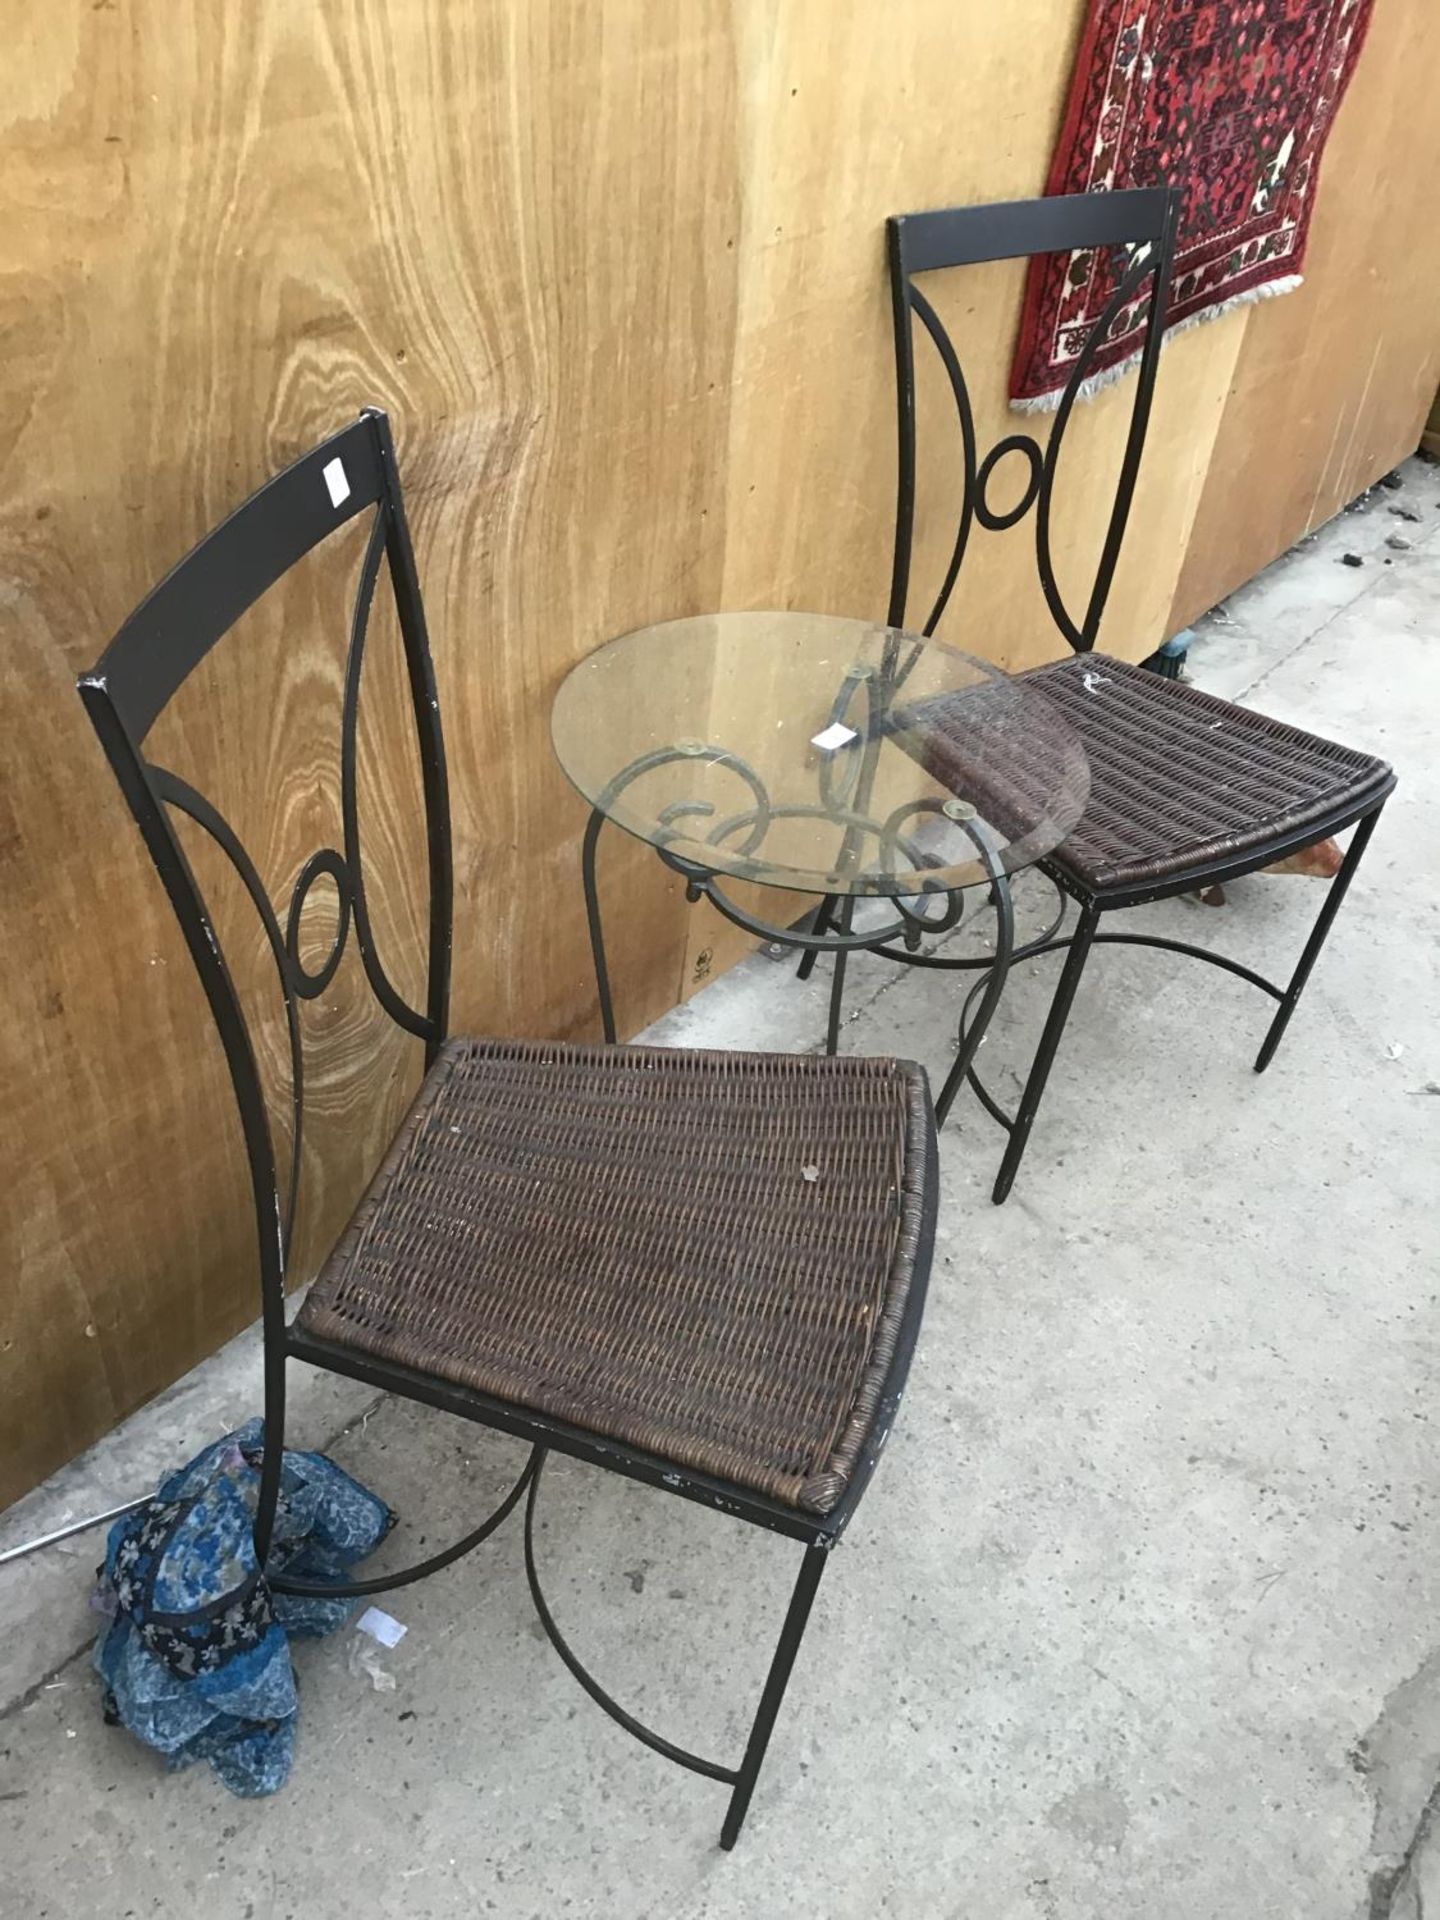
<point>827,933</point>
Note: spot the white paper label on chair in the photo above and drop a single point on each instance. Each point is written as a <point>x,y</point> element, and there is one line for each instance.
<point>835,736</point>
<point>334,471</point>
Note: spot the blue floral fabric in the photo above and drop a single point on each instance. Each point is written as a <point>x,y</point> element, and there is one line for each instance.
<point>196,1659</point>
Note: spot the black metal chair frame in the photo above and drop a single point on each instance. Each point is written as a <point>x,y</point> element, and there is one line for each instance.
<point>1145,221</point>
<point>144,666</point>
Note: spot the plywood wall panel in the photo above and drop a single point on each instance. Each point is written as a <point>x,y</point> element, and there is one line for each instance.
<point>616,270</point>
<point>1335,380</point>
<point>222,233</point>
<point>845,124</point>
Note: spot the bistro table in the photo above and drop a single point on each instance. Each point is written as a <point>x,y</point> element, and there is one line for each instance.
<point>796,750</point>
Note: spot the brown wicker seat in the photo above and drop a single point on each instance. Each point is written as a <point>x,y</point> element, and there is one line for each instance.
<point>707,1255</point>
<point>1179,779</point>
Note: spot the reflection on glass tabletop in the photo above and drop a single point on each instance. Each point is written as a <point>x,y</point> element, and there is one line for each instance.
<point>827,755</point>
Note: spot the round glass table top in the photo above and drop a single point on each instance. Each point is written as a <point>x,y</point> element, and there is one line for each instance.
<point>823,754</point>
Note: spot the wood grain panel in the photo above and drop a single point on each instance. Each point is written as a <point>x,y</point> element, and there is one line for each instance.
<point>616,270</point>
<point>222,233</point>
<point>1335,380</point>
<point>844,123</point>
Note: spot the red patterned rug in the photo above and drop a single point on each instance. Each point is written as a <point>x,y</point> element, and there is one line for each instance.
<point>1231,100</point>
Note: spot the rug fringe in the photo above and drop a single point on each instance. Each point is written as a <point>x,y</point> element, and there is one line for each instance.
<point>1107,377</point>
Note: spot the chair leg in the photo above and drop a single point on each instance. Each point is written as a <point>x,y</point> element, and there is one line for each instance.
<point>596,926</point>
<point>1333,897</point>
<point>811,1568</point>
<point>1045,1053</point>
<point>841,922</point>
<point>274,1456</point>
<point>820,923</point>
<point>968,1041</point>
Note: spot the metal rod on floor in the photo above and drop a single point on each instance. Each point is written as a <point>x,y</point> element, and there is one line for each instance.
<point>74,1526</point>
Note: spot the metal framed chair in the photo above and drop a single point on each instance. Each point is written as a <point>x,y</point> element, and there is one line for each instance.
<point>703,1271</point>
<point>1186,789</point>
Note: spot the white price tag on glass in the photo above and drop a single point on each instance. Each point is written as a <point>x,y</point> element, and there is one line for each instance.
<point>835,736</point>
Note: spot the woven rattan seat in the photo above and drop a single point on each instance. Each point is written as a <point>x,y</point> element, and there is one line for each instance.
<point>703,1254</point>
<point>1178,778</point>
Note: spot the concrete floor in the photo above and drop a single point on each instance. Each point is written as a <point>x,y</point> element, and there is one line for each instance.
<point>1140,1616</point>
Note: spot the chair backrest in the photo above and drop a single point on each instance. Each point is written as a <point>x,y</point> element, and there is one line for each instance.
<point>142,669</point>
<point>1140,221</point>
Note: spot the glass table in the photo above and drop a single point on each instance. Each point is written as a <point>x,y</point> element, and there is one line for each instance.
<point>827,756</point>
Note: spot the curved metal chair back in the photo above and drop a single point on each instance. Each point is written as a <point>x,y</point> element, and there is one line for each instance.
<point>146,664</point>
<point>1141,221</point>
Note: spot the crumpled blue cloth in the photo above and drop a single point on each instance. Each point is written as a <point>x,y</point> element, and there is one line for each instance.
<point>196,1660</point>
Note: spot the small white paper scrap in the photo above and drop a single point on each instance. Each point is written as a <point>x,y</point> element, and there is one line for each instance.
<point>334,471</point>
<point>381,1626</point>
<point>836,735</point>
